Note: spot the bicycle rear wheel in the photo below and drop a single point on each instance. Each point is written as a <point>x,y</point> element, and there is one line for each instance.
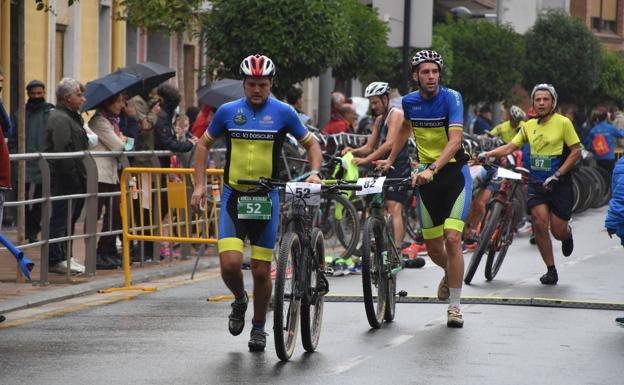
<point>490,221</point>
<point>286,304</point>
<point>374,280</point>
<point>499,248</point>
<point>313,302</point>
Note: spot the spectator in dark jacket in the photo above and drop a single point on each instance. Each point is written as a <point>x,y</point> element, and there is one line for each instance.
<point>37,113</point>
<point>65,133</point>
<point>165,134</point>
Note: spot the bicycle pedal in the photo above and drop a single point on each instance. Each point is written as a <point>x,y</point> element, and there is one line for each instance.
<point>402,293</point>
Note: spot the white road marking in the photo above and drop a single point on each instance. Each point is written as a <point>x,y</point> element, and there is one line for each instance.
<point>399,340</point>
<point>346,365</point>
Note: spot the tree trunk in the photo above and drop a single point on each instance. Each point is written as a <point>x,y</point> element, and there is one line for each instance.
<point>180,71</point>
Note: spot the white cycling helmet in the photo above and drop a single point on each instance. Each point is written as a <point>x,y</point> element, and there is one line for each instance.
<point>545,87</point>
<point>516,114</point>
<point>257,66</point>
<point>427,56</point>
<point>376,89</point>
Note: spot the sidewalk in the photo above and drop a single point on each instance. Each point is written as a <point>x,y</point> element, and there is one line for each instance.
<point>16,293</point>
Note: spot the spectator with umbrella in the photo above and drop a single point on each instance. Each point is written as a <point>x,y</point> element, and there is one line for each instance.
<point>105,124</point>
<point>152,75</point>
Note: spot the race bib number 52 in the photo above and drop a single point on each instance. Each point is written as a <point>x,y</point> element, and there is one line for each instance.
<point>254,207</point>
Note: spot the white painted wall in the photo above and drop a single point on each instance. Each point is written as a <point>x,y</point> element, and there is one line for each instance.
<point>522,14</point>
<point>391,11</point>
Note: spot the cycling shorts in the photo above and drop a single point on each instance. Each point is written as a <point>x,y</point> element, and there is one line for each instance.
<point>398,193</point>
<point>233,231</point>
<point>559,201</point>
<point>444,202</point>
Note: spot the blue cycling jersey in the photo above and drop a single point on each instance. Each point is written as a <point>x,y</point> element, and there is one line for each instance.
<point>432,119</point>
<point>254,138</point>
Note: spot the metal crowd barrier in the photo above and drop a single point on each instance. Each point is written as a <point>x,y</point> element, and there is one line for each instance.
<point>155,207</point>
<point>91,196</point>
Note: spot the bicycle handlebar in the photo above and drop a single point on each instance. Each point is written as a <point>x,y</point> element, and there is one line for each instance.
<point>268,183</point>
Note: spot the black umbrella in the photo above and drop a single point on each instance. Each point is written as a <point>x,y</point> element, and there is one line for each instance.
<point>222,91</point>
<point>153,74</point>
<point>103,88</point>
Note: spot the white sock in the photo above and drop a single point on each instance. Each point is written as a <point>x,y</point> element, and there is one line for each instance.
<point>454,296</point>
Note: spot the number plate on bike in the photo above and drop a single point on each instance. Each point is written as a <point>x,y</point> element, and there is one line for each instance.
<point>370,185</point>
<point>303,193</point>
<point>254,207</point>
<point>540,162</point>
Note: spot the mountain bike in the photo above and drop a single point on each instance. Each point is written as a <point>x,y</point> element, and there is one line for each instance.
<point>498,223</point>
<point>381,264</point>
<point>300,284</point>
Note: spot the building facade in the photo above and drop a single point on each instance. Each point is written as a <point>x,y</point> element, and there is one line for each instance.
<point>84,41</point>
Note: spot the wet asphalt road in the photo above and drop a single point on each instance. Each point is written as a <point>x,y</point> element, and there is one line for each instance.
<point>174,336</point>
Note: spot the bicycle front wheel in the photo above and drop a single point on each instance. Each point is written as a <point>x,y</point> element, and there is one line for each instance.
<point>393,260</point>
<point>490,221</point>
<point>374,279</point>
<point>499,249</point>
<point>286,301</point>
<point>313,302</point>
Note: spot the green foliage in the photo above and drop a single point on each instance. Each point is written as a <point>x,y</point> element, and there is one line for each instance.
<point>487,59</point>
<point>390,69</point>
<point>611,84</point>
<point>169,17</point>
<point>43,5</point>
<point>302,37</point>
<point>366,50</point>
<point>563,52</point>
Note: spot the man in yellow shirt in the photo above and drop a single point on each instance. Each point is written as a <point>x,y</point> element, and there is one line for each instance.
<point>555,148</point>
<point>508,129</point>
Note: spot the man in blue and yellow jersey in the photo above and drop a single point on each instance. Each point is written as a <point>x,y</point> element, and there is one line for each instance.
<point>555,148</point>
<point>435,116</point>
<point>254,128</point>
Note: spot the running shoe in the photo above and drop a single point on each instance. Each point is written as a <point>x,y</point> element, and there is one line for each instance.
<point>454,318</point>
<point>550,278</point>
<point>236,322</point>
<point>257,340</point>
<point>525,229</point>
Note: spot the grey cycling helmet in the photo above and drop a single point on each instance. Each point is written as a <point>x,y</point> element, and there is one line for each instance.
<point>516,114</point>
<point>376,89</point>
<point>545,87</point>
<point>427,56</point>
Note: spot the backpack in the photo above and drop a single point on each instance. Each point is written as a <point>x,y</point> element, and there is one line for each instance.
<point>600,145</point>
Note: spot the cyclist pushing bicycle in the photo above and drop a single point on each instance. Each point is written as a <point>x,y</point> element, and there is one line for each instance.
<point>385,133</point>
<point>255,128</point>
<point>434,115</point>
<point>555,148</point>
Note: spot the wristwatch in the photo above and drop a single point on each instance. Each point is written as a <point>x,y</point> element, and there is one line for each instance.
<point>433,167</point>
<point>315,172</point>
<point>557,174</point>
